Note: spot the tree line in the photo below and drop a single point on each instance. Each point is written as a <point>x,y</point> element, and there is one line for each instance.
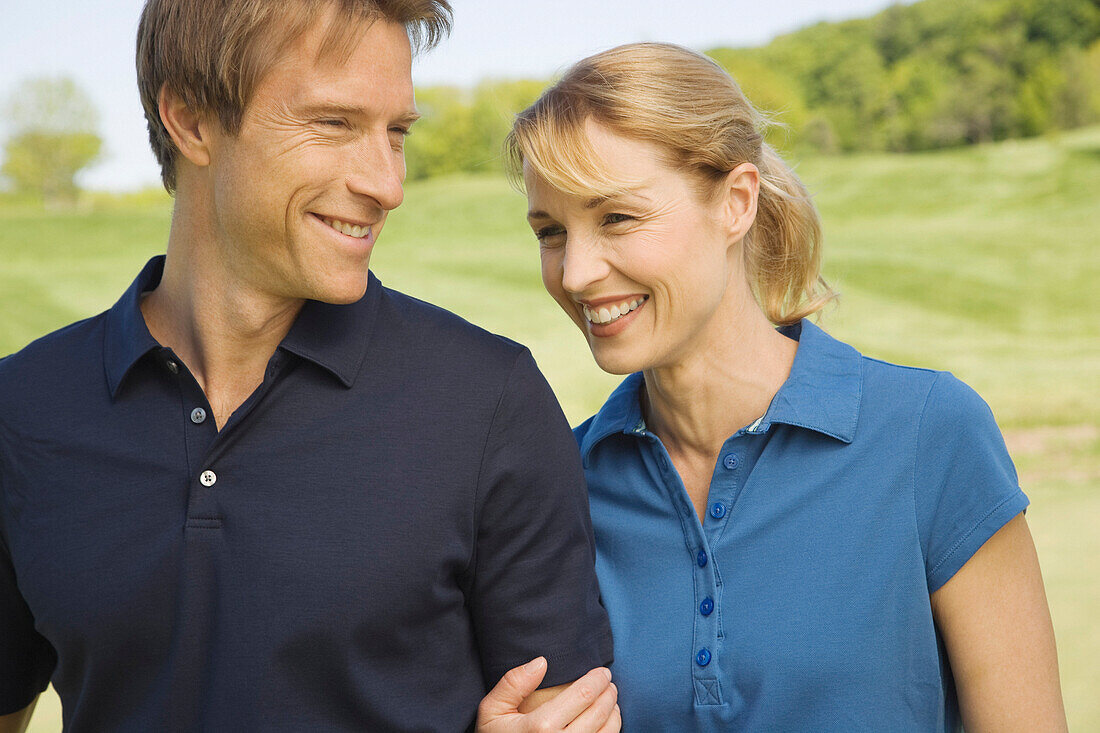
<point>938,73</point>
<point>933,74</point>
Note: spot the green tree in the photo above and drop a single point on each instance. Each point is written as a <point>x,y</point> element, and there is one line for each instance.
<point>54,135</point>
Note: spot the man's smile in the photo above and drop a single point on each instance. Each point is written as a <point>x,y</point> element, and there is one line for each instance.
<point>359,231</point>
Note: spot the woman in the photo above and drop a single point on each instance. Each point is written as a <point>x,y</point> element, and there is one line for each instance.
<point>790,536</point>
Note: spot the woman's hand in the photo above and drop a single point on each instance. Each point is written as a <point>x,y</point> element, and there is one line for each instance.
<point>996,627</point>
<point>586,706</point>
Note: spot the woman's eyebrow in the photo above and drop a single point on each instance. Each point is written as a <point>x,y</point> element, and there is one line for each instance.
<point>616,198</point>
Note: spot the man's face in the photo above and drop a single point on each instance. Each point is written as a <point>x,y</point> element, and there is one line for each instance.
<point>300,194</point>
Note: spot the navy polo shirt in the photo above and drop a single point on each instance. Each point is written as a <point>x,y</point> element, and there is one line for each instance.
<point>394,518</point>
<point>801,602</point>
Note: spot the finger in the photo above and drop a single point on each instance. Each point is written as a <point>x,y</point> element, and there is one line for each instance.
<point>563,709</point>
<point>598,713</point>
<point>516,684</point>
<point>615,723</point>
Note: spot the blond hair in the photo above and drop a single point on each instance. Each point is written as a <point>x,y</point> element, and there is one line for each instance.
<point>689,107</point>
<point>213,53</point>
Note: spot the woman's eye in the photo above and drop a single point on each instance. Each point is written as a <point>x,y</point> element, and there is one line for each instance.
<point>549,235</point>
<point>614,218</point>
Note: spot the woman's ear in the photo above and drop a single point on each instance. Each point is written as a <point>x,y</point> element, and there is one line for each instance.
<point>185,126</point>
<point>738,196</point>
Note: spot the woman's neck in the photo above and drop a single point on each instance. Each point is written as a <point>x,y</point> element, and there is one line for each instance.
<point>726,382</point>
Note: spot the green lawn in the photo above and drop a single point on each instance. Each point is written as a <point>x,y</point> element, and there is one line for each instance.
<point>982,261</point>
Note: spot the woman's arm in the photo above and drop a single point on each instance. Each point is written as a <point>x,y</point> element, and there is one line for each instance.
<point>996,626</point>
<point>17,722</point>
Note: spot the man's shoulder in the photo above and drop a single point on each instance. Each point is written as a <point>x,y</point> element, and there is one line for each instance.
<point>48,363</point>
<point>420,325</point>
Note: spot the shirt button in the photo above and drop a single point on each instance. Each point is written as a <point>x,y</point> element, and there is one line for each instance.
<point>731,461</point>
<point>703,657</point>
<point>706,607</point>
<point>207,478</point>
<point>198,415</point>
<point>701,558</point>
<point>718,510</point>
<point>173,367</point>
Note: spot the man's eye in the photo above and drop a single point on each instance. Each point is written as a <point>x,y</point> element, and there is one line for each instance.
<point>333,122</point>
<point>402,131</point>
<point>614,218</point>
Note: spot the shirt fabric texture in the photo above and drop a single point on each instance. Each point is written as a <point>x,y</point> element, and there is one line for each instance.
<point>394,518</point>
<point>802,602</point>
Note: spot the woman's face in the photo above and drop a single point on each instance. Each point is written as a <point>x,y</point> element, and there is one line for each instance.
<point>643,275</point>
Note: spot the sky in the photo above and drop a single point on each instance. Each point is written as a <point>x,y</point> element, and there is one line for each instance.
<point>92,41</point>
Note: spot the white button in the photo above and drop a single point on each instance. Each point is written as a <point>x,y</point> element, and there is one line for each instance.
<point>198,415</point>
<point>173,367</point>
<point>208,478</point>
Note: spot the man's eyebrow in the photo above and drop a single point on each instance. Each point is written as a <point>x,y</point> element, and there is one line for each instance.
<point>340,109</point>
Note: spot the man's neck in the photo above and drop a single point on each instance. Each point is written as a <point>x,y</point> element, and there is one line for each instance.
<point>221,327</point>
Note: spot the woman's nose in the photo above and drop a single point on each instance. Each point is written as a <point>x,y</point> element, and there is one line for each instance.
<point>583,265</point>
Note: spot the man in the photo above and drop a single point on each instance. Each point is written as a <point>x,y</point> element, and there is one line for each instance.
<point>264,492</point>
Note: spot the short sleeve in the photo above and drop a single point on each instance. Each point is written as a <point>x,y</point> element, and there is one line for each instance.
<point>534,588</point>
<point>965,483</point>
<point>26,658</point>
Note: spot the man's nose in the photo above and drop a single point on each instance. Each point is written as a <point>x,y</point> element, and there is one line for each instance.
<point>378,173</point>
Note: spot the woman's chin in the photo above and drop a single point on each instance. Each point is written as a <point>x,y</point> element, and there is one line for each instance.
<point>613,363</point>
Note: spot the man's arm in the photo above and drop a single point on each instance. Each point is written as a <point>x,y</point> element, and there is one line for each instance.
<point>588,705</point>
<point>17,722</point>
<point>533,587</point>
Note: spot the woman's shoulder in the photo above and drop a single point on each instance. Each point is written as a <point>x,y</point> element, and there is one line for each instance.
<point>924,394</point>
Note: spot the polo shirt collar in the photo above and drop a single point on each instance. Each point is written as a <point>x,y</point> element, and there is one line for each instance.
<point>622,413</point>
<point>334,337</point>
<point>825,386</point>
<point>822,393</point>
<point>127,338</point>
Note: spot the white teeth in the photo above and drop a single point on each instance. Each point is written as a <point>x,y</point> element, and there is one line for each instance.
<point>614,313</point>
<point>352,230</point>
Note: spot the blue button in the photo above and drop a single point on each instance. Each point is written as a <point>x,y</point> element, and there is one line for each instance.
<point>718,510</point>
<point>703,657</point>
<point>701,558</point>
<point>731,461</point>
<point>706,607</point>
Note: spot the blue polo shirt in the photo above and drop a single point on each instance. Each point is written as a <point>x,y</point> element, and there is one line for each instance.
<point>801,603</point>
<point>392,520</point>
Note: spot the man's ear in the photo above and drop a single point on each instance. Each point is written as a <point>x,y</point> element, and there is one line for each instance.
<point>185,126</point>
<point>740,191</point>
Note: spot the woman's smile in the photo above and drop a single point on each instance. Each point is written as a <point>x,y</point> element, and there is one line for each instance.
<point>611,317</point>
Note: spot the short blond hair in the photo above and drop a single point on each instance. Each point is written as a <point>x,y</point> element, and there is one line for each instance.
<point>685,104</point>
<point>213,53</point>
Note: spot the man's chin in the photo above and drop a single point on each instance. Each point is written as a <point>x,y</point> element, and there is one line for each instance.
<point>344,290</point>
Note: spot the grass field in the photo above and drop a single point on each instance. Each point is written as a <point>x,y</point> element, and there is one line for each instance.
<point>982,261</point>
